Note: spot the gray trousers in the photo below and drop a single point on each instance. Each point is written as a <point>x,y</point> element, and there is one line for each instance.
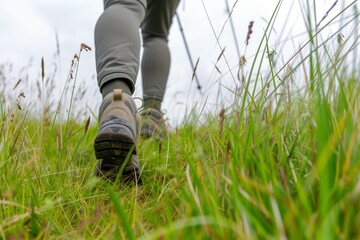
<point>117,43</point>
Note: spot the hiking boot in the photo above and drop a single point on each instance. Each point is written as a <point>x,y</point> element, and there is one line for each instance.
<point>153,124</point>
<point>117,136</point>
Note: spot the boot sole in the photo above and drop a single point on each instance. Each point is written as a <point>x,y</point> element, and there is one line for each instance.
<point>114,145</point>
<point>111,150</point>
<point>114,141</point>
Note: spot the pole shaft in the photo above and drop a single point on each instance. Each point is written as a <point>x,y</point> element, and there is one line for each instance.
<point>188,52</point>
<point>233,28</point>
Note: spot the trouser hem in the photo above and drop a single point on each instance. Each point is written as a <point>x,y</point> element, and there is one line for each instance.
<point>118,75</point>
<point>159,96</point>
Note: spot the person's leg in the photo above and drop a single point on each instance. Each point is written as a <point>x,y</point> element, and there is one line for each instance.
<point>155,64</point>
<point>156,60</point>
<point>117,44</point>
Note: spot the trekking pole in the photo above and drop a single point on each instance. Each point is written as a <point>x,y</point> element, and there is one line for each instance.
<point>232,28</point>
<point>188,52</point>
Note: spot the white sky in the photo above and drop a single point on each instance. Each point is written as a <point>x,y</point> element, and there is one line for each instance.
<point>28,32</point>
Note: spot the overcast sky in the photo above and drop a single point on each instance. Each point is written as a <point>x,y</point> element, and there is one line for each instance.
<point>28,32</point>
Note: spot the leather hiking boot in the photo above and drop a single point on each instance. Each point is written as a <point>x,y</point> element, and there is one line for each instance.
<point>116,140</point>
<point>153,124</point>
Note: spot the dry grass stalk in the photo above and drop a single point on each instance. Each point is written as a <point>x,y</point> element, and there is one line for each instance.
<point>17,84</point>
<point>221,121</point>
<point>249,32</point>
<point>340,39</point>
<point>327,13</point>
<point>85,47</point>
<point>195,68</point>
<point>42,69</point>
<point>228,148</point>
<point>217,69</point>
<point>12,117</point>
<point>221,54</point>
<point>242,63</point>
<point>75,58</point>
<point>87,125</point>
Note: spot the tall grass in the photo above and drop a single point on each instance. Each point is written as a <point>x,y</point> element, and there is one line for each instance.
<point>281,162</point>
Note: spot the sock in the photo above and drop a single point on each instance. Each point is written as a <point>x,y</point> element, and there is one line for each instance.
<point>115,84</point>
<point>152,103</point>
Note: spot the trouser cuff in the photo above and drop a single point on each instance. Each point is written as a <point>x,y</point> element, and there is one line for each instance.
<point>114,76</point>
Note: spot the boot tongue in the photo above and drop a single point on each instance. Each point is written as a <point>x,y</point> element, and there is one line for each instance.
<point>118,94</point>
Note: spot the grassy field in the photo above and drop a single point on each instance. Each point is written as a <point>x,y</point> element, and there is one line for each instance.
<point>279,163</point>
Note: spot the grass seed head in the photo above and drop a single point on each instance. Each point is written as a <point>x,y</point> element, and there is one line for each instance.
<point>221,121</point>
<point>85,47</point>
<point>42,69</point>
<point>242,61</point>
<point>340,39</point>
<point>249,32</point>
<point>17,84</point>
<point>87,125</point>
